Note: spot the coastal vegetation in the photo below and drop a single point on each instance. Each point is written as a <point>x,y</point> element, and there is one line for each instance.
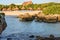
<point>32,6</point>
<point>50,11</point>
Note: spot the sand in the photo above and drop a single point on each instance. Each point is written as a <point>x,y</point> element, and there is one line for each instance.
<point>19,12</point>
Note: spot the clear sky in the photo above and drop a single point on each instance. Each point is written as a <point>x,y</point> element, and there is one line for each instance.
<point>21,1</point>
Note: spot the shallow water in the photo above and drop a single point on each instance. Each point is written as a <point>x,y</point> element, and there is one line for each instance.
<point>35,28</point>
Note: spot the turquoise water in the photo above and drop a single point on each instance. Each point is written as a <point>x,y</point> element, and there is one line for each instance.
<point>32,27</point>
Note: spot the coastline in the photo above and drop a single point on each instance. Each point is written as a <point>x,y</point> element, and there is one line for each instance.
<point>16,13</point>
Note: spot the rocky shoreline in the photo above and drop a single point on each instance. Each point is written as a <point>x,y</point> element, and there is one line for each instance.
<point>41,17</point>
<point>3,23</point>
<point>31,37</point>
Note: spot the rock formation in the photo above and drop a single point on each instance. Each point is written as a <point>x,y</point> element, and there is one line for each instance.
<point>3,23</point>
<point>26,17</point>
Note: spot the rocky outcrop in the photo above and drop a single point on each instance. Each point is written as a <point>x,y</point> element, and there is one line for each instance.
<point>3,23</point>
<point>2,14</point>
<point>26,17</point>
<point>27,3</point>
<point>51,37</point>
<point>47,18</point>
<point>58,18</point>
<point>50,18</point>
<point>39,17</point>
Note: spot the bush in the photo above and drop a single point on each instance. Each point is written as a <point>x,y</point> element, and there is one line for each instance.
<point>54,9</point>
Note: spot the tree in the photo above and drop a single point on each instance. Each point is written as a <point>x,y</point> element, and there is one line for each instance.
<point>1,6</point>
<point>12,6</point>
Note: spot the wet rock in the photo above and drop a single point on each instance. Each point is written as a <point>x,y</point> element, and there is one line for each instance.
<point>51,37</point>
<point>13,39</point>
<point>3,14</point>
<point>39,38</point>
<point>3,23</point>
<point>9,38</point>
<point>32,36</point>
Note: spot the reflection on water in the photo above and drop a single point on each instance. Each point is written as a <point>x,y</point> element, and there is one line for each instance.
<point>32,27</point>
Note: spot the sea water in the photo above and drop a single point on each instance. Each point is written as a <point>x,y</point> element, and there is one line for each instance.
<point>21,29</point>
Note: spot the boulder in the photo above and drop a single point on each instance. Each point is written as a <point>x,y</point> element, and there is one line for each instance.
<point>3,23</point>
<point>39,16</point>
<point>50,18</point>
<point>58,18</point>
<point>26,17</point>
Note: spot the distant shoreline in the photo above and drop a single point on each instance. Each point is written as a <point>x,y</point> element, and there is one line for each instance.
<point>16,13</point>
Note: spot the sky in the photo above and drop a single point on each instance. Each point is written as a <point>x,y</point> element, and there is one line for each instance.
<point>6,2</point>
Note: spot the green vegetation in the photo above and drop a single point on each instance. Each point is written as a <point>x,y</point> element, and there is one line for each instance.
<point>47,8</point>
<point>52,8</point>
<point>1,6</point>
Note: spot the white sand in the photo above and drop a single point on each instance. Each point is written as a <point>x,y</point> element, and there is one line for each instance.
<point>19,12</point>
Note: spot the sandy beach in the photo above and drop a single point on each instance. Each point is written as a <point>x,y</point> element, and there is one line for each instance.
<point>19,12</point>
